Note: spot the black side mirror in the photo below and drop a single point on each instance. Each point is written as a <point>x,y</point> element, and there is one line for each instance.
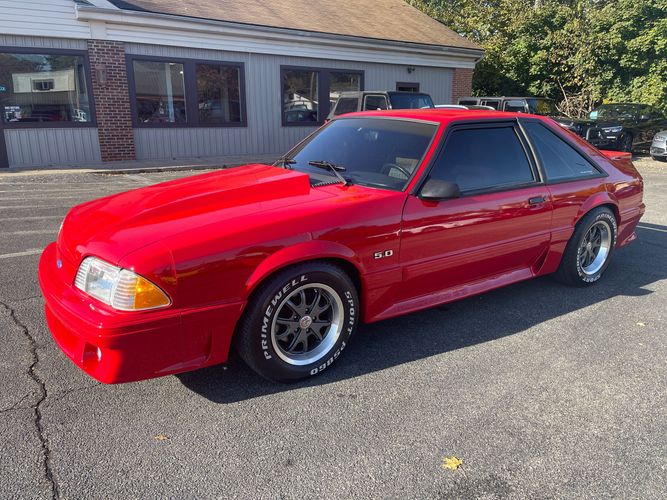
<point>437,190</point>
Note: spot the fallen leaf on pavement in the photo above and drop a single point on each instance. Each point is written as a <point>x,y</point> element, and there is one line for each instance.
<point>452,463</point>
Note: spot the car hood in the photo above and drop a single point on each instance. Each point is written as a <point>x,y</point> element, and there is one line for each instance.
<point>117,225</point>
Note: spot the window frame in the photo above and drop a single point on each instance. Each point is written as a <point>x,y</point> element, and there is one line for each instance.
<point>323,90</point>
<point>89,88</point>
<point>538,174</point>
<point>409,84</point>
<point>563,137</point>
<point>189,91</point>
<point>366,96</point>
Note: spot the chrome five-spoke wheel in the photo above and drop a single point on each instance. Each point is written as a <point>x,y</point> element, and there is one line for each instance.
<point>595,247</point>
<point>307,324</point>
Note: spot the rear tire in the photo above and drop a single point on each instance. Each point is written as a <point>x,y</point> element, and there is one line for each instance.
<point>589,250</point>
<point>298,321</point>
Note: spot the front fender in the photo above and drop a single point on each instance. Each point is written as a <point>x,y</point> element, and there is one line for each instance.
<point>300,252</point>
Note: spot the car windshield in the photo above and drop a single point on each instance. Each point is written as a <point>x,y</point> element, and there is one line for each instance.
<point>616,112</point>
<point>541,107</point>
<point>376,152</point>
<point>410,100</point>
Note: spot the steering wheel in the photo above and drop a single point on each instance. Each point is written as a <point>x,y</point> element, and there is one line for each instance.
<point>388,167</point>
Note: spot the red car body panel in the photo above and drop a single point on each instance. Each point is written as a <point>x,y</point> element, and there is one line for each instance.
<point>209,240</point>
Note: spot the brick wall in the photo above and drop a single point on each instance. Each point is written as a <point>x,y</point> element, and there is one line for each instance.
<point>112,100</point>
<point>461,84</point>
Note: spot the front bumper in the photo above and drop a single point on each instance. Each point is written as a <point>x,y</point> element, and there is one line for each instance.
<point>114,347</point>
<point>659,149</point>
<point>602,140</point>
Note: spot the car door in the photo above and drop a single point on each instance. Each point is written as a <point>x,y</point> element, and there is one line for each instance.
<point>498,228</point>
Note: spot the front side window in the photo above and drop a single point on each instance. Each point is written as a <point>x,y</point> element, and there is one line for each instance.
<point>300,96</point>
<point>160,92</point>
<point>495,104</point>
<point>375,103</point>
<point>218,94</point>
<point>559,159</point>
<point>45,88</point>
<point>515,106</point>
<point>346,105</point>
<point>483,158</point>
<point>382,153</point>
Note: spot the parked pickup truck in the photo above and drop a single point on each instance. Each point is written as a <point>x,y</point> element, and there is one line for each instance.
<point>349,102</point>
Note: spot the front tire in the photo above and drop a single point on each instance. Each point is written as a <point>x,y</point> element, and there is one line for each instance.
<point>627,143</point>
<point>298,322</point>
<point>588,253</point>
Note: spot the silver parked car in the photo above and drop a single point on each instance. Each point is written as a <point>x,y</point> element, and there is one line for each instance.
<point>659,146</point>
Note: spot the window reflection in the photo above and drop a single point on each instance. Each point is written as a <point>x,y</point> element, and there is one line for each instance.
<point>160,94</point>
<point>218,94</point>
<point>43,88</point>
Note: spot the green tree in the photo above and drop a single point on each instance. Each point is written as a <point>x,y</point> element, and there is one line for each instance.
<point>578,52</point>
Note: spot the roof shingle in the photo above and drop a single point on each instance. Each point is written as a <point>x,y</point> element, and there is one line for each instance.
<point>379,19</point>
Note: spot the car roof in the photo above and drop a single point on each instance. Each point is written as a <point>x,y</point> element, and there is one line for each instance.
<point>441,115</point>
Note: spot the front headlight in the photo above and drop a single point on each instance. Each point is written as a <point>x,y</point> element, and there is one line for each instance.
<point>612,130</point>
<point>120,288</point>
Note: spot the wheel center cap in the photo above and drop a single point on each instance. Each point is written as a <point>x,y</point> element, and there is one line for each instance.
<point>305,322</point>
<point>589,245</point>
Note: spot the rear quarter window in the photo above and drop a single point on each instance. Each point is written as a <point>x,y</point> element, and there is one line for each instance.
<point>559,160</point>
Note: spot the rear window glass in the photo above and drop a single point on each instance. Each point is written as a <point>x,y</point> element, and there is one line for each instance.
<point>558,158</point>
<point>346,105</point>
<point>375,102</point>
<point>483,158</point>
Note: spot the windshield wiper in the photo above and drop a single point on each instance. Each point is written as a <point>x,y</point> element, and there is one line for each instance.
<point>285,162</point>
<point>333,168</point>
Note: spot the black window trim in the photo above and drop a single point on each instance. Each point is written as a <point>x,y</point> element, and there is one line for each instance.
<point>538,178</point>
<point>190,91</point>
<point>323,86</point>
<point>89,88</point>
<point>559,133</point>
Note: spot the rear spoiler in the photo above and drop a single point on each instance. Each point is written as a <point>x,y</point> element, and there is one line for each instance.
<point>616,155</point>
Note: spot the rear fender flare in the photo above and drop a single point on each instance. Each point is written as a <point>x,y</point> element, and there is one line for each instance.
<point>598,199</point>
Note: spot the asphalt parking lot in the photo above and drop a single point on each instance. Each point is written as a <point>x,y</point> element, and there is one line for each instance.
<point>541,390</point>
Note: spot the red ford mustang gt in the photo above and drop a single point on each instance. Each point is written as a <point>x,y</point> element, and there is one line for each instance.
<point>374,215</point>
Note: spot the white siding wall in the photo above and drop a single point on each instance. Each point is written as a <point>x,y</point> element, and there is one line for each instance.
<point>39,147</point>
<point>37,17</point>
<point>264,133</point>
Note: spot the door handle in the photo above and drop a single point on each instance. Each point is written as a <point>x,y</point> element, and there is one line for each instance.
<point>536,200</point>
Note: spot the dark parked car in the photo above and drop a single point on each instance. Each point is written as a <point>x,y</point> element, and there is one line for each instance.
<point>624,126</point>
<point>349,102</point>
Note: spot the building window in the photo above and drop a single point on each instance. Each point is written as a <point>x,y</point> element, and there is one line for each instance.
<point>343,82</point>
<point>160,92</point>
<point>184,93</point>
<point>51,89</point>
<point>301,96</point>
<point>407,86</point>
<point>218,94</point>
<point>308,94</point>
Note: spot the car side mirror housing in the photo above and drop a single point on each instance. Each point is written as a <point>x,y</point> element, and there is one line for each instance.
<point>437,190</point>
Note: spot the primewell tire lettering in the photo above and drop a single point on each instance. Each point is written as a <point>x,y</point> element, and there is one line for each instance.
<point>270,309</point>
